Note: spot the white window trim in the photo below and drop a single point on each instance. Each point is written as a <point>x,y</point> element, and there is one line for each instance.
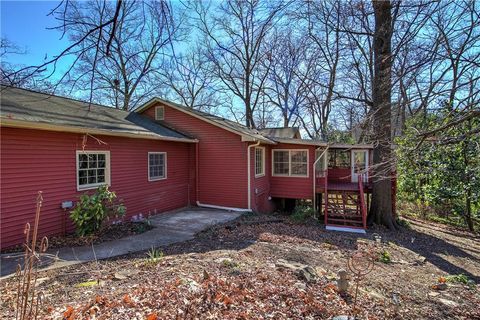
<point>107,169</point>
<point>263,162</point>
<point>148,167</point>
<point>290,175</point>
<point>158,107</point>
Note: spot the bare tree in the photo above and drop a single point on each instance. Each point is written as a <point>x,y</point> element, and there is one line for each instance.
<point>117,66</point>
<point>235,38</point>
<point>286,83</point>
<point>186,79</point>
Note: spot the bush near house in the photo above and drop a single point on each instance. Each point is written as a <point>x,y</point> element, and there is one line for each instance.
<point>92,211</point>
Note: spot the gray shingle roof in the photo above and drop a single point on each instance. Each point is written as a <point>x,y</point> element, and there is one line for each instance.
<point>222,122</point>
<point>25,106</point>
<point>289,132</point>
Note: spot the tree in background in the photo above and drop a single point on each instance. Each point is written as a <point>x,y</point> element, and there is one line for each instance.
<point>235,36</point>
<point>186,79</point>
<point>443,172</point>
<point>115,64</point>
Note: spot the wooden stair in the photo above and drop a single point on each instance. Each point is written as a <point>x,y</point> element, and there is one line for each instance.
<point>345,208</point>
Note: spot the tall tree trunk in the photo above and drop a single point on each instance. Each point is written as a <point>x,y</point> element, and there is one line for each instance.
<point>381,207</point>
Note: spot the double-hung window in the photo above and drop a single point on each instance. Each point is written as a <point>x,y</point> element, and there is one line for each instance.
<point>290,163</point>
<point>157,166</point>
<point>259,162</point>
<point>93,169</point>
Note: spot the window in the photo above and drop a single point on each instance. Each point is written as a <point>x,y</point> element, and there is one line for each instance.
<point>93,169</point>
<point>157,166</point>
<point>259,162</point>
<point>160,113</point>
<point>290,163</point>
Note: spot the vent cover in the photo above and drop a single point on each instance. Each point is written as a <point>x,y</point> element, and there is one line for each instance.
<point>159,113</point>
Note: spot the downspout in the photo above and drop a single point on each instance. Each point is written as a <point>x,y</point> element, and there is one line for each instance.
<point>315,182</point>
<point>249,170</point>
<point>197,188</point>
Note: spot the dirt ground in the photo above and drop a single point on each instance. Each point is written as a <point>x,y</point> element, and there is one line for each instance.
<point>241,270</point>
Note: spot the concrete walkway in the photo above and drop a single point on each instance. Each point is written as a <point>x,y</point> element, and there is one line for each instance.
<point>168,228</point>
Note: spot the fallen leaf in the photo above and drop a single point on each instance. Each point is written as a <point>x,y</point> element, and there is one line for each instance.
<point>152,316</point>
<point>69,314</point>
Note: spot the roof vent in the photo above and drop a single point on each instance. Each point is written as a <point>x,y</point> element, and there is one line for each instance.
<point>160,113</point>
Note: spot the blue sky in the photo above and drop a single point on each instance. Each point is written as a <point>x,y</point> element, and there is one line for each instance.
<point>25,23</point>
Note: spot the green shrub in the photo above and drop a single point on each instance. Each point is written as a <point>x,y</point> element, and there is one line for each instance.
<point>92,211</point>
<point>385,257</point>
<point>154,255</point>
<point>302,212</point>
<point>458,278</point>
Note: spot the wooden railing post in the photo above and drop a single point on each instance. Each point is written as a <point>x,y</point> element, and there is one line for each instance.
<point>326,197</point>
<point>362,201</point>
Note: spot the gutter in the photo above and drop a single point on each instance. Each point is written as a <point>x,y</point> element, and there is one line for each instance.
<point>4,122</point>
<point>315,181</point>
<point>249,171</point>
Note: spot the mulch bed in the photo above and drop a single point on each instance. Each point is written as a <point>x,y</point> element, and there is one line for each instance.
<point>108,233</point>
<point>231,271</point>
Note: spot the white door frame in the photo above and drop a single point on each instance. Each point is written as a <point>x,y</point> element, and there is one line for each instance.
<point>354,175</point>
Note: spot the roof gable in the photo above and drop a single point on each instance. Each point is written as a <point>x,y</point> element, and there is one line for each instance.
<point>246,133</point>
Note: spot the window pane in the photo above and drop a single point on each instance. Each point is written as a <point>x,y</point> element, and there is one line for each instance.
<point>299,169</point>
<point>299,156</point>
<point>259,161</point>
<point>343,158</point>
<point>281,162</point>
<point>156,165</point>
<point>92,168</point>
<point>299,162</point>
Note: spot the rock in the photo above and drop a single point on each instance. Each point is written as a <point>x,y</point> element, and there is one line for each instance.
<point>193,286</point>
<point>308,274</point>
<point>433,294</point>
<point>284,264</point>
<point>224,261</point>
<point>420,260</point>
<point>301,286</point>
<point>119,276</point>
<point>440,286</point>
<point>448,303</point>
<point>124,274</point>
<point>304,272</point>
<point>343,318</point>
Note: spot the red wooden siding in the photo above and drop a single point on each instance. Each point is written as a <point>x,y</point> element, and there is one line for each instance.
<point>293,187</point>
<point>222,159</point>
<point>35,160</point>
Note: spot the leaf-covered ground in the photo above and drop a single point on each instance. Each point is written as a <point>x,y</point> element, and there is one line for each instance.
<point>232,271</point>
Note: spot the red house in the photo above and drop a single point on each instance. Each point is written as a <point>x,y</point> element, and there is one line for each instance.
<point>161,157</point>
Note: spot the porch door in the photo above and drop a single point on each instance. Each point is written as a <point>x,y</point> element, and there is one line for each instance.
<point>359,164</point>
